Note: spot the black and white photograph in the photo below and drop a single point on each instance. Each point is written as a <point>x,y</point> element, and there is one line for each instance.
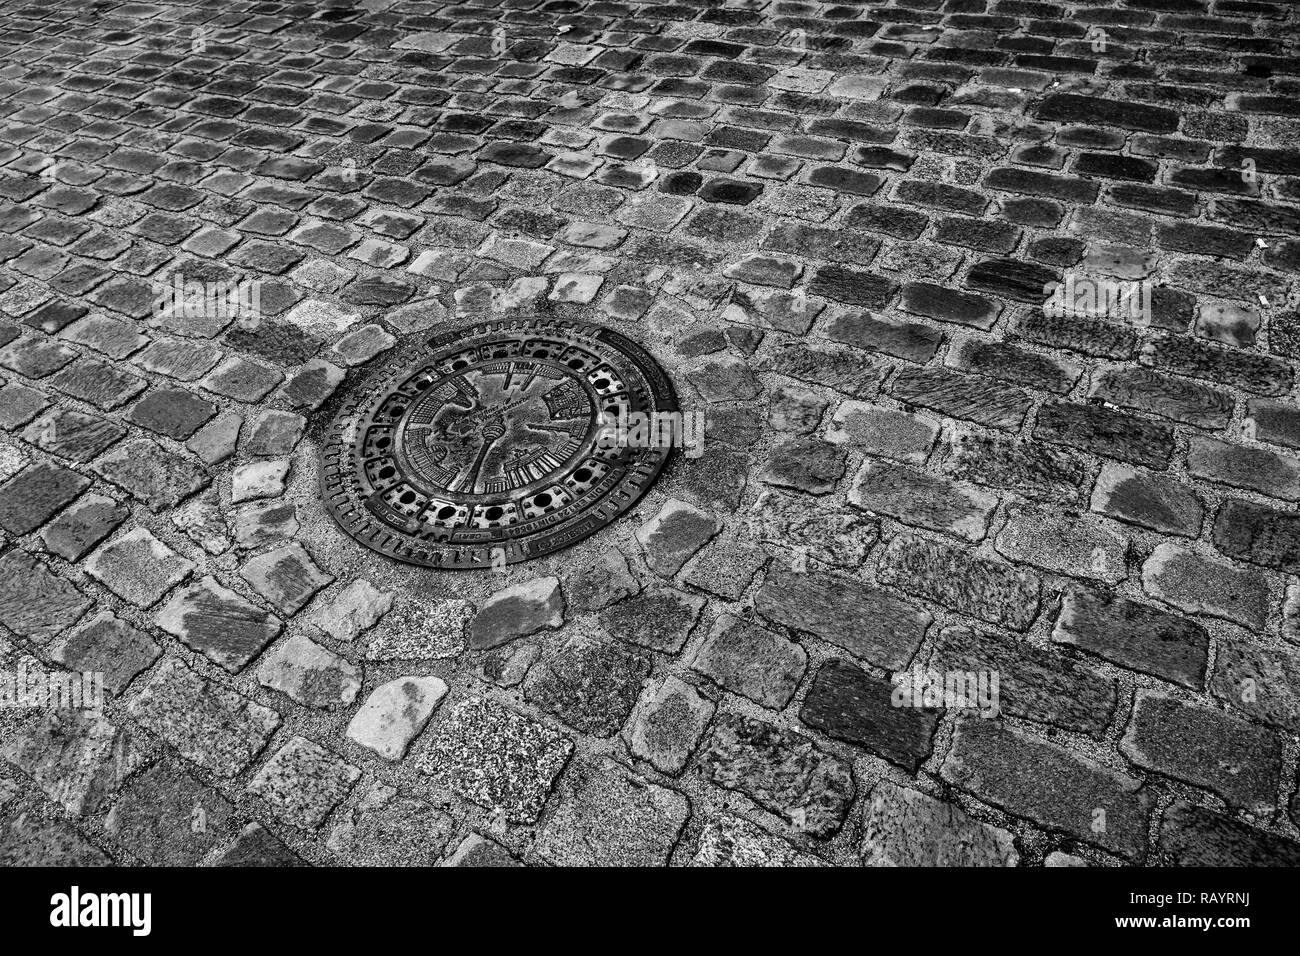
<point>578,434</point>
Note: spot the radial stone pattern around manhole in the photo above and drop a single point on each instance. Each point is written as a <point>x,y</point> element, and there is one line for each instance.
<point>490,445</point>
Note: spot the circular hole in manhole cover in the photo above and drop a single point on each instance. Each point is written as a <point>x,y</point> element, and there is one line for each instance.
<point>496,443</point>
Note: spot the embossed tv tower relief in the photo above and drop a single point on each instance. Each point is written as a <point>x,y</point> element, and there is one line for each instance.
<point>488,445</point>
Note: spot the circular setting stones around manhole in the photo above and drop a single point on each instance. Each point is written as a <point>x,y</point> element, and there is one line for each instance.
<point>495,444</point>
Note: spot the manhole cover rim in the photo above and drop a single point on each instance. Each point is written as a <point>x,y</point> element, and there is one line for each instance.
<point>349,496</point>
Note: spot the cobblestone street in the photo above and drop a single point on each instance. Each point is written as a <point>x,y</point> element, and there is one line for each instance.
<point>989,309</point>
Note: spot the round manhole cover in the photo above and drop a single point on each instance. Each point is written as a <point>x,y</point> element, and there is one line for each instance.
<point>495,444</point>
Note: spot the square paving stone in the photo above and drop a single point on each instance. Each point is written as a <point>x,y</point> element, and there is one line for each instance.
<point>386,827</point>
<point>138,568</point>
<point>107,645</point>
<point>151,473</point>
<point>667,724</point>
<point>35,602</point>
<point>781,770</point>
<point>20,404</point>
<point>167,818</point>
<point>241,380</point>
<point>607,816</point>
<point>33,496</point>
<point>748,659</point>
<point>102,385</point>
<point>659,618</point>
<point>303,782</point>
<point>312,675</point>
<point>173,412</point>
<point>214,727</point>
<point>274,434</point>
<point>589,685</point>
<point>73,435</point>
<point>78,759</point>
<point>287,577</point>
<point>218,623</point>
<point>496,757</point>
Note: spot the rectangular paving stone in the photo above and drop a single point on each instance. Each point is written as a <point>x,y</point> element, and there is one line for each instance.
<point>1034,683</point>
<point>847,703</point>
<point>958,579</point>
<point>1051,786</point>
<point>218,729</point>
<point>35,494</point>
<point>783,771</point>
<point>866,621</point>
<point>1133,635</point>
<point>1236,759</point>
<point>968,397</point>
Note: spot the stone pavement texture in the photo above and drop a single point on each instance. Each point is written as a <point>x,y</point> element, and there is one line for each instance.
<point>833,223</point>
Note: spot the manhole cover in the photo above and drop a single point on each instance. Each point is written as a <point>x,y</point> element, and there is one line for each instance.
<point>491,446</point>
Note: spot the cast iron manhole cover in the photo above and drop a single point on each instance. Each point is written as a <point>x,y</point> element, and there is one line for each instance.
<point>492,446</point>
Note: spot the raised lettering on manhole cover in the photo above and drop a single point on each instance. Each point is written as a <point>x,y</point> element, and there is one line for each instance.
<point>491,446</point>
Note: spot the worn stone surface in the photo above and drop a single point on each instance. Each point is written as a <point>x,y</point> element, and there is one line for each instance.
<point>1051,786</point>
<point>312,675</point>
<point>303,782</point>
<point>168,818</point>
<point>849,704</point>
<point>1037,684</point>
<point>78,759</point>
<point>386,827</point>
<point>218,623</point>
<point>782,771</point>
<point>138,568</point>
<point>606,816</point>
<point>496,757</point>
<point>36,603</point>
<point>1237,760</point>
<point>287,577</point>
<point>667,724</point>
<point>734,841</point>
<point>589,685</point>
<point>748,659</point>
<point>815,532</point>
<point>601,583</point>
<point>107,645</point>
<point>869,622</point>
<point>659,618</point>
<point>355,609</point>
<point>908,828</point>
<point>218,729</point>
<point>518,611</point>
<point>1134,635</point>
<point>1202,584</point>
<point>673,536</point>
<point>836,227</point>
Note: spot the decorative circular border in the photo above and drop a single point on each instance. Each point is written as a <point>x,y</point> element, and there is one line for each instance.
<point>355,496</point>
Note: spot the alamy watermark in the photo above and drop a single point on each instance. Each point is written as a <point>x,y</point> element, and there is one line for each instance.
<point>181,298</point>
<point>951,690</point>
<point>37,688</point>
<point>664,430</point>
<point>1091,297</point>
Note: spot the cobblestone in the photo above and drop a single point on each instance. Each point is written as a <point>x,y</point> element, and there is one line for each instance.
<point>835,226</point>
